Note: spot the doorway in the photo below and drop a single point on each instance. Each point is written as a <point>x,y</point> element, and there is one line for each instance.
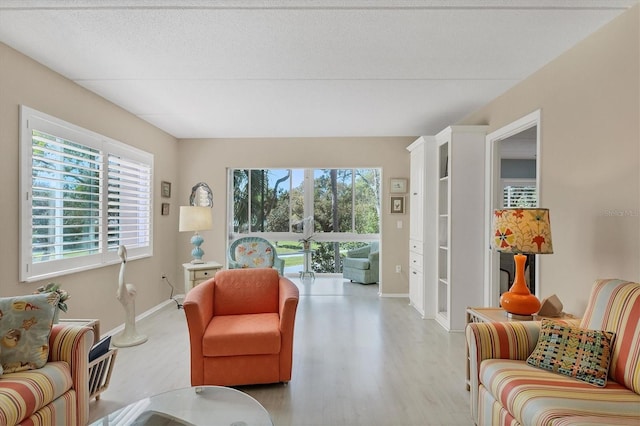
<point>513,180</point>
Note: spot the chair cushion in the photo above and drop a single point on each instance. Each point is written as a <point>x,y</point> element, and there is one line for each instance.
<point>573,351</point>
<point>356,263</point>
<point>254,254</point>
<point>25,392</point>
<point>535,396</point>
<point>249,334</point>
<point>24,330</point>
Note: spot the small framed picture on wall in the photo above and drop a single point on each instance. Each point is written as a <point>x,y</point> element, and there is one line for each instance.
<point>398,185</point>
<point>165,189</point>
<point>397,204</point>
<point>165,209</point>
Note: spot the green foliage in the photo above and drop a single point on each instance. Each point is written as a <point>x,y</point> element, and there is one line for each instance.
<point>55,288</point>
<point>324,259</point>
<point>268,195</point>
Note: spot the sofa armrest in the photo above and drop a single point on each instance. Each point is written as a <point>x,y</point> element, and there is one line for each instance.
<point>72,343</point>
<point>198,308</point>
<point>502,340</point>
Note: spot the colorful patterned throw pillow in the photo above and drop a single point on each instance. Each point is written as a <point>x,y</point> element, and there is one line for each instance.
<point>573,351</point>
<point>25,327</point>
<point>254,255</point>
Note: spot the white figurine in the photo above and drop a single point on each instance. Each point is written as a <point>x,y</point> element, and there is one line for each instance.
<point>126,294</point>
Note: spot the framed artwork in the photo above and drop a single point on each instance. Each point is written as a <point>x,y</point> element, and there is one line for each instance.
<point>397,204</point>
<point>165,209</point>
<point>398,185</point>
<point>165,189</point>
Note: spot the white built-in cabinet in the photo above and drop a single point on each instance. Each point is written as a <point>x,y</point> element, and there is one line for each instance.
<point>459,205</point>
<point>416,221</point>
<point>446,245</point>
<point>421,296</point>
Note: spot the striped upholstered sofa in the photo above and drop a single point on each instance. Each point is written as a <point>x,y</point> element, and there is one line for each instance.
<point>56,394</point>
<point>505,390</point>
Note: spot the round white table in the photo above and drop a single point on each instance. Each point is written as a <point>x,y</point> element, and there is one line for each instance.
<point>201,405</point>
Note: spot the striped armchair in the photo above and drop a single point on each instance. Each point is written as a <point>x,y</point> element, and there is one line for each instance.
<point>56,394</point>
<point>507,391</point>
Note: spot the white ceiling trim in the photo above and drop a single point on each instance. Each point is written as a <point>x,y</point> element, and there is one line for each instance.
<point>316,4</point>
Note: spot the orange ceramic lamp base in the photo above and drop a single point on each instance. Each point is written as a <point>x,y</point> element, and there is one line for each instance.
<point>519,300</point>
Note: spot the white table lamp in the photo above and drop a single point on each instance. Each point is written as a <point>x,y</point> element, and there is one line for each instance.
<point>194,218</point>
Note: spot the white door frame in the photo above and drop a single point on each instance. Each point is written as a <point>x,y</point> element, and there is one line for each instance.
<point>492,198</point>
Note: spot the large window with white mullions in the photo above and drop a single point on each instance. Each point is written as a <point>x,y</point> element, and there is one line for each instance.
<point>336,209</point>
<point>342,202</point>
<point>82,196</point>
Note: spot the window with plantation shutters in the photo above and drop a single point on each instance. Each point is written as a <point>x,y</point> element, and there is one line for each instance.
<point>521,193</point>
<point>83,195</point>
<point>65,198</point>
<point>129,203</point>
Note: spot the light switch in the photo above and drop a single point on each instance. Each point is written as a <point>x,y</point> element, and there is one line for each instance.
<point>399,224</point>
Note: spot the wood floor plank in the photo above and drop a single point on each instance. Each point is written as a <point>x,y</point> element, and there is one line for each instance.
<point>358,360</point>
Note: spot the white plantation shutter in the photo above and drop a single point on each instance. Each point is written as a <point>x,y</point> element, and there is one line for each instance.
<point>520,196</point>
<point>65,198</point>
<point>129,204</point>
<point>84,195</point>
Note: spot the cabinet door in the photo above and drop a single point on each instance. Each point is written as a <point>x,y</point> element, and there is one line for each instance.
<point>416,290</point>
<point>416,194</point>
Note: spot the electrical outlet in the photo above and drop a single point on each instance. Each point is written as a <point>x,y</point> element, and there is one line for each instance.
<point>398,269</point>
<point>163,276</point>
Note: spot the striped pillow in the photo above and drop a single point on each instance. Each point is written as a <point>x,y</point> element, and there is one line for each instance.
<point>573,351</point>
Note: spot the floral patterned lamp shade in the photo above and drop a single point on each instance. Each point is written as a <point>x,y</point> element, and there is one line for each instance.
<point>521,231</point>
<point>524,231</point>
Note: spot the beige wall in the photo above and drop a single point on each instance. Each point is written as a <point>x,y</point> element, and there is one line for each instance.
<point>208,160</point>
<point>590,161</point>
<point>23,81</point>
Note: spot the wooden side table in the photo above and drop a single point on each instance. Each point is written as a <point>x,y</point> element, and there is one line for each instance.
<point>195,273</point>
<point>497,315</point>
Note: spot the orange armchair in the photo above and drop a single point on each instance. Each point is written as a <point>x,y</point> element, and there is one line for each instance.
<point>241,328</point>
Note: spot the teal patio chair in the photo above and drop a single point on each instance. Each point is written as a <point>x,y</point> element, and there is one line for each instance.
<point>254,252</point>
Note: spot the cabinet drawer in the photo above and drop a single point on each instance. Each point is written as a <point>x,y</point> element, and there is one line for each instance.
<point>415,246</point>
<point>204,274</point>
<point>415,261</point>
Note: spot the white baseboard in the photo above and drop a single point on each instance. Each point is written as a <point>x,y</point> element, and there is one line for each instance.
<point>143,315</point>
<point>393,295</point>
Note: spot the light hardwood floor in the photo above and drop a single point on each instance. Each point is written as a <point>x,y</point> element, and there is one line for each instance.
<point>358,360</point>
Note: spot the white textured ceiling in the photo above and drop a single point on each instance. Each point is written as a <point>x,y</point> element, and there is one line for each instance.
<point>300,68</point>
